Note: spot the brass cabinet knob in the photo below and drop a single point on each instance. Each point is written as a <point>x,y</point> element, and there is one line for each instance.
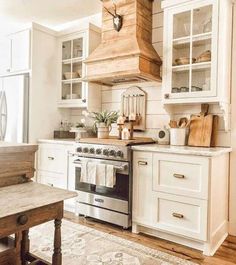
<point>22,219</point>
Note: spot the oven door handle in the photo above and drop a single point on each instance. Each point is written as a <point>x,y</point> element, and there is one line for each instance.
<point>122,168</point>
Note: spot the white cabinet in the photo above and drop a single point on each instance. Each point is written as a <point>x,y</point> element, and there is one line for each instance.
<point>197,52</point>
<point>15,52</point>
<point>182,198</point>
<point>52,166</point>
<point>74,49</point>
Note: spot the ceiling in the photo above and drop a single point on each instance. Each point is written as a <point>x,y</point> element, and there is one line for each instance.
<point>15,14</point>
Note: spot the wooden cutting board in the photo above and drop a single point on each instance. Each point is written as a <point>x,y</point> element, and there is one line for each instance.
<point>201,131</point>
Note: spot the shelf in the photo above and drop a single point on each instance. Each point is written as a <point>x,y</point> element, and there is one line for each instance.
<point>73,81</point>
<point>199,39</point>
<point>73,60</point>
<point>195,67</point>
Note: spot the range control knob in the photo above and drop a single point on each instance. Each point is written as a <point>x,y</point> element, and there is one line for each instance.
<point>112,153</point>
<point>98,151</point>
<point>120,153</point>
<point>91,150</point>
<point>79,149</point>
<point>85,150</point>
<point>105,152</point>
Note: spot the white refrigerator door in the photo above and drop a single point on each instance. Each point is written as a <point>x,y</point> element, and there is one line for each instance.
<point>14,109</point>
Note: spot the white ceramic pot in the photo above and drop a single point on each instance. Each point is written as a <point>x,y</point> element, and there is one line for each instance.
<point>178,136</point>
<point>102,131</point>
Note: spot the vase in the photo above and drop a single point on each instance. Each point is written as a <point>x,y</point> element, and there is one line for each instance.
<point>103,131</point>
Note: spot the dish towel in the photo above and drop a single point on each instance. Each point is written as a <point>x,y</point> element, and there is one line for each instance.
<point>110,176</point>
<point>88,172</point>
<point>101,174</point>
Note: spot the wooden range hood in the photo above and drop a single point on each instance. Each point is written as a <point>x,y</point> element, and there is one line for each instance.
<point>128,55</point>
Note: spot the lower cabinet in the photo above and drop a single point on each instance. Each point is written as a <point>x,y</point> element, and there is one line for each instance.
<point>181,198</point>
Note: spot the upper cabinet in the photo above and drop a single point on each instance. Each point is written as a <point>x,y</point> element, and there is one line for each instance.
<point>15,52</point>
<point>74,49</point>
<point>197,51</point>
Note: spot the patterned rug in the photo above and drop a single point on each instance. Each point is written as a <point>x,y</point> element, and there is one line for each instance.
<point>82,245</point>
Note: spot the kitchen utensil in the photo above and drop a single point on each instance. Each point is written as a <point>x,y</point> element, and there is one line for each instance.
<point>215,126</point>
<point>204,109</point>
<point>201,130</point>
<point>183,122</point>
<point>184,60</point>
<point>195,89</point>
<point>173,124</point>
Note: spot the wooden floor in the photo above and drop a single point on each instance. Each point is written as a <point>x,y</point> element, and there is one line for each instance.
<point>226,255</point>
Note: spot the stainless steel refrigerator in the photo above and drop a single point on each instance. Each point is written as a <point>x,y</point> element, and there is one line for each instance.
<point>14,108</point>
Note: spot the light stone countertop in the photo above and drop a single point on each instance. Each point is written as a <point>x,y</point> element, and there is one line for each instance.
<point>57,141</point>
<point>6,147</point>
<point>27,196</point>
<point>183,150</point>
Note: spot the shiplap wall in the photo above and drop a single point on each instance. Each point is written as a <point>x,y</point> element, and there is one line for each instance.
<point>156,116</point>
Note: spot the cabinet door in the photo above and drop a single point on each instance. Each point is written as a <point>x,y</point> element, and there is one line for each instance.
<point>142,188</point>
<point>191,55</point>
<point>20,51</point>
<point>5,45</point>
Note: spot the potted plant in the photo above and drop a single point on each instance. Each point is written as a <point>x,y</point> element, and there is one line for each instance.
<point>103,121</point>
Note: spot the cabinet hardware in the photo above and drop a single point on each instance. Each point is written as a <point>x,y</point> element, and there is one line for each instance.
<point>142,163</point>
<point>49,184</point>
<point>179,176</point>
<point>167,96</point>
<point>178,215</point>
<point>84,100</point>
<point>8,70</point>
<point>99,200</point>
<point>51,158</point>
<point>22,219</point>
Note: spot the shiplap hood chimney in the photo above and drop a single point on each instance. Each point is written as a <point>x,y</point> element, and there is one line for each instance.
<point>128,55</point>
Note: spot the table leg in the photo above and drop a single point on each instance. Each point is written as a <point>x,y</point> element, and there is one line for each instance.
<point>57,256</point>
<point>25,245</point>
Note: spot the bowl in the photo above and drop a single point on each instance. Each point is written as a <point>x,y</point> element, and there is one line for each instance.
<point>71,75</point>
<point>184,60</point>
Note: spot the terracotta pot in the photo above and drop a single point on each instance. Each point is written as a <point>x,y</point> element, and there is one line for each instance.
<point>103,131</point>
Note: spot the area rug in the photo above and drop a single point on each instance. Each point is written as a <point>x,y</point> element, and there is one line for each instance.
<point>82,245</point>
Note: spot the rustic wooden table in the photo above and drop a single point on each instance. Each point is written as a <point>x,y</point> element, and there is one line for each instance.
<point>25,205</point>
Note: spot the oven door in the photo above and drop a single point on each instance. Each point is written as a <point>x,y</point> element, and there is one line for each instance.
<point>119,191</point>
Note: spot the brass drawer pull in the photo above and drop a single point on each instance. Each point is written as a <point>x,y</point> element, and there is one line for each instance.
<point>22,219</point>
<point>142,163</point>
<point>178,215</point>
<point>51,158</point>
<point>179,176</point>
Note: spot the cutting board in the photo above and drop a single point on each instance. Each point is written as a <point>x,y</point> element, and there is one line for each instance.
<point>201,130</point>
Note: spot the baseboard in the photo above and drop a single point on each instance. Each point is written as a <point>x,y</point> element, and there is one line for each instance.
<point>232,228</point>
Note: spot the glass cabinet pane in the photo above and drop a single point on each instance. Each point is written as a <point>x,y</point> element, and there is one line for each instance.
<point>66,91</point>
<point>181,54</point>
<point>78,48</point>
<point>76,90</point>
<point>66,50</point>
<point>181,25</point>
<point>66,71</point>
<point>201,80</point>
<point>180,81</point>
<point>77,69</point>
<point>202,20</point>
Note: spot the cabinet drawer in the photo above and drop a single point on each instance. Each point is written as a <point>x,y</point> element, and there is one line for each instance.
<point>52,158</point>
<point>180,215</point>
<point>53,179</point>
<point>181,175</point>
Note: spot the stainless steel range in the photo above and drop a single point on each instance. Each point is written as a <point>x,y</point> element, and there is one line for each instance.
<point>101,202</point>
<point>108,204</point>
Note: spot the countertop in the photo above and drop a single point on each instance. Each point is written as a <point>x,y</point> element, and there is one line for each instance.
<point>6,147</point>
<point>57,141</point>
<point>183,150</point>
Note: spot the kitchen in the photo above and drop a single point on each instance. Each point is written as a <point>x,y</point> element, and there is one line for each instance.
<point>178,194</point>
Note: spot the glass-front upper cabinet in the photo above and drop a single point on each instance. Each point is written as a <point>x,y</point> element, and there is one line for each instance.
<point>72,70</point>
<point>191,50</point>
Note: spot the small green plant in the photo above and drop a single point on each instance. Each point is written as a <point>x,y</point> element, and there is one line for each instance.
<point>106,117</point>
<point>80,125</point>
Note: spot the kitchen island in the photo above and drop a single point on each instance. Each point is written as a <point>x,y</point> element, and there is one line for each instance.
<point>25,204</point>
